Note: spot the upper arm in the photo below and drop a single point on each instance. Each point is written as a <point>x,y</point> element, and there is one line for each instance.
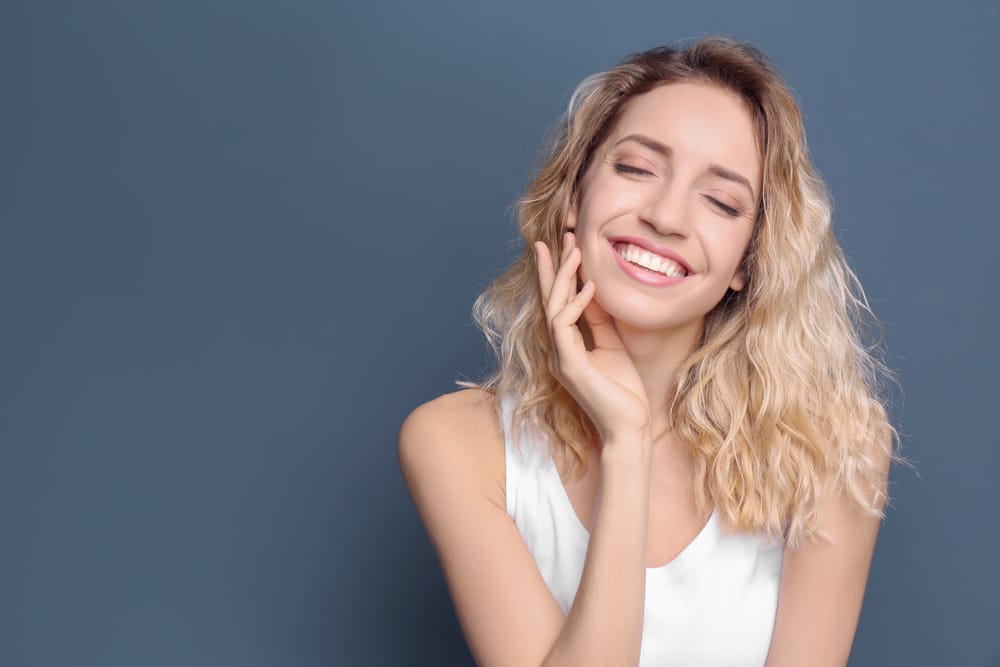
<point>823,585</point>
<point>451,454</point>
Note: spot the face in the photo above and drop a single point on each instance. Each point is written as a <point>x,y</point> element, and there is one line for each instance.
<point>667,206</point>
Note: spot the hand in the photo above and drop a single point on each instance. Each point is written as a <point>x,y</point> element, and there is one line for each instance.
<point>604,381</point>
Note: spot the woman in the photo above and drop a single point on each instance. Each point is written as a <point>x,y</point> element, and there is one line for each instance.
<point>683,456</point>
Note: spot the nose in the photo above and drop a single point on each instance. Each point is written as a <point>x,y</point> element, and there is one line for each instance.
<point>666,209</point>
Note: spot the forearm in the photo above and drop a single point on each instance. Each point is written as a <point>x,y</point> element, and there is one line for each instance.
<point>604,625</point>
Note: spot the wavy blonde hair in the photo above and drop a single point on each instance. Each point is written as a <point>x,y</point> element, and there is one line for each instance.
<point>783,393</point>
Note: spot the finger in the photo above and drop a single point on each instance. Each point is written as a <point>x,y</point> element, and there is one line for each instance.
<point>566,335</point>
<point>569,239</point>
<point>602,327</point>
<point>546,271</point>
<point>574,308</point>
<point>547,268</point>
<point>564,285</point>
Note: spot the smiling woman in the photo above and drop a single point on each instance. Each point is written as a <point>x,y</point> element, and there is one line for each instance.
<point>667,190</point>
<point>683,455</point>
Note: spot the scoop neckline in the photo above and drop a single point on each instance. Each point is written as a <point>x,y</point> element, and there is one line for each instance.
<point>696,546</point>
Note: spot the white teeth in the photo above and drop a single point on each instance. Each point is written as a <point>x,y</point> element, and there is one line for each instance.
<point>647,260</point>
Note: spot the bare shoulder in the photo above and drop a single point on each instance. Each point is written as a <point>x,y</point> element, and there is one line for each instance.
<point>455,438</point>
<point>451,452</point>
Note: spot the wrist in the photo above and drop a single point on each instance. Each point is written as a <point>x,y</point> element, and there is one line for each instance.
<point>627,451</point>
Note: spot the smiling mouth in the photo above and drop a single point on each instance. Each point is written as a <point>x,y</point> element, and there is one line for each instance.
<point>649,261</point>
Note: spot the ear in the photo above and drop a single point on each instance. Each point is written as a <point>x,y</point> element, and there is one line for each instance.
<point>739,280</point>
<point>571,218</point>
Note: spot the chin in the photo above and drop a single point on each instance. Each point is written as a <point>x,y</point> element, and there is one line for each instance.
<point>640,314</point>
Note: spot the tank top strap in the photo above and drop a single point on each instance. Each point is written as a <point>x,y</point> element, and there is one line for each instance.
<point>541,510</point>
<point>513,464</point>
<point>527,460</point>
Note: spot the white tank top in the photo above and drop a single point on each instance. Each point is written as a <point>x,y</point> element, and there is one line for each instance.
<point>712,605</point>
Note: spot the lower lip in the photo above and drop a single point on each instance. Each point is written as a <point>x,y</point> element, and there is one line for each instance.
<point>642,275</point>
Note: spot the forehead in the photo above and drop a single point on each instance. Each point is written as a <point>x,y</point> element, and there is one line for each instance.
<point>701,123</point>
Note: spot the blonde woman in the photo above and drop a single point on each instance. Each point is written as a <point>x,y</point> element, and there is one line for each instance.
<point>682,457</point>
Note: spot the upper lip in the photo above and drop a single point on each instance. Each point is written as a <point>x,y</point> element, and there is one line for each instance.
<point>653,248</point>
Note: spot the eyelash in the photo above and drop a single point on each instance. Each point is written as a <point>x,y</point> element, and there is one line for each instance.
<point>628,169</point>
<point>728,210</point>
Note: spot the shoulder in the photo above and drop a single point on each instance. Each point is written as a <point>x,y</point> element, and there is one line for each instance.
<point>459,423</point>
<point>823,582</point>
<point>455,440</point>
<point>451,452</point>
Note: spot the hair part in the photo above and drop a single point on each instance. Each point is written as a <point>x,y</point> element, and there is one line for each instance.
<point>785,391</point>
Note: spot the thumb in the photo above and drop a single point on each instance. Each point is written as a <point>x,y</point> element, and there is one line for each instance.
<point>602,326</point>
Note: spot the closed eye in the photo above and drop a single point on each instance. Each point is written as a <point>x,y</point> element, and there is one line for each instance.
<point>629,169</point>
<point>728,210</point>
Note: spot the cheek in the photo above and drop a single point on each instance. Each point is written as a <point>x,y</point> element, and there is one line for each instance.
<point>604,199</point>
<point>730,247</point>
<point>595,261</point>
<point>582,273</point>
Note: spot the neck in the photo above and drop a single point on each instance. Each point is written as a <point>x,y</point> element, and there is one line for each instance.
<point>657,355</point>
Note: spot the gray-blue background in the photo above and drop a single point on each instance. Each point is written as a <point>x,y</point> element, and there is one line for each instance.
<point>240,241</point>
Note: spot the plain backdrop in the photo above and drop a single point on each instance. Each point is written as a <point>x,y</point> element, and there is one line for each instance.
<point>240,241</point>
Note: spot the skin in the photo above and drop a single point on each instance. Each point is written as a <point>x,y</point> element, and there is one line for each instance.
<point>636,500</point>
<point>674,201</point>
<point>642,332</point>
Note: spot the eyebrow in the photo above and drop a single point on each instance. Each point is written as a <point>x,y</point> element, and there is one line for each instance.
<point>666,151</point>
